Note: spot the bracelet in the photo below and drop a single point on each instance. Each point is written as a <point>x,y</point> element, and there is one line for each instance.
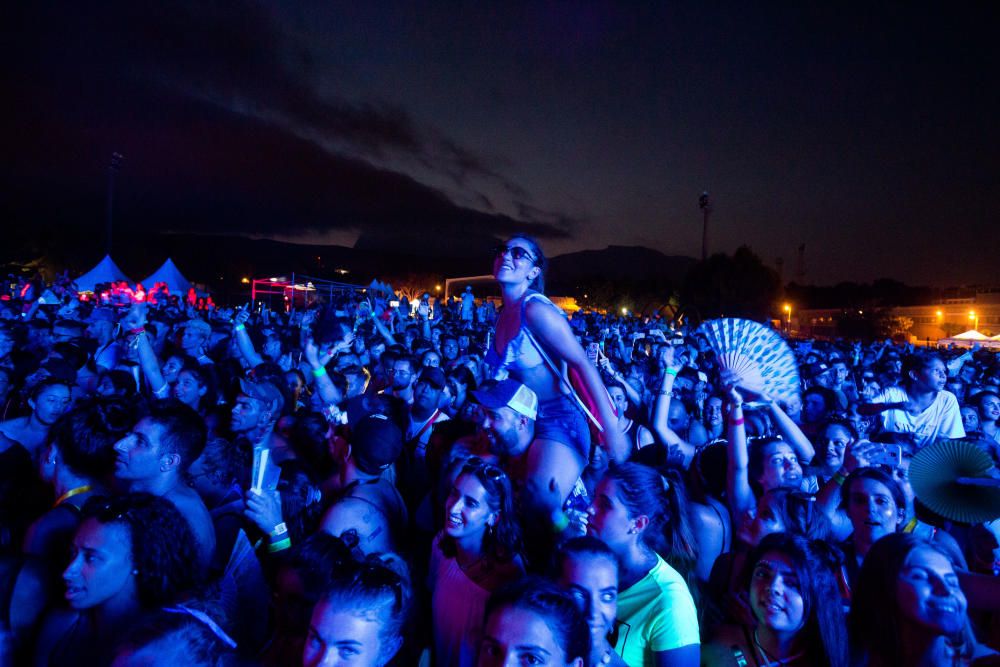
<point>280,529</point>
<point>738,422</point>
<point>239,327</point>
<point>319,372</point>
<point>671,371</point>
<point>664,392</point>
<point>279,546</point>
<point>839,478</point>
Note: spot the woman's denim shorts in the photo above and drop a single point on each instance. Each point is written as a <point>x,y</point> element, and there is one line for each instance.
<point>562,420</point>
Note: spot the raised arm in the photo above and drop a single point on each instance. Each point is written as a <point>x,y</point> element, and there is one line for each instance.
<point>317,365</point>
<point>552,329</point>
<point>242,336</point>
<point>382,329</point>
<point>858,455</point>
<point>134,323</point>
<point>792,434</point>
<point>741,498</point>
<point>609,368</point>
<point>661,405</point>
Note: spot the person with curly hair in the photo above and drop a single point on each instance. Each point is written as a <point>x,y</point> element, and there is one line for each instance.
<point>131,554</point>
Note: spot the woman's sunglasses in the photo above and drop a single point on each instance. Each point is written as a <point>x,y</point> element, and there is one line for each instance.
<point>516,252</point>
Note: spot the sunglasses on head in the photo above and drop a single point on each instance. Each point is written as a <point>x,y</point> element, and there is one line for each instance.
<point>516,252</point>
<point>488,470</point>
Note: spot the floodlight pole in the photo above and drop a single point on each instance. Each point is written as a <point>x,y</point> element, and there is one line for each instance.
<point>113,168</point>
<point>706,209</point>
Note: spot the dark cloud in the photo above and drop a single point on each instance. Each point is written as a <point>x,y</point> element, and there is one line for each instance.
<point>223,131</point>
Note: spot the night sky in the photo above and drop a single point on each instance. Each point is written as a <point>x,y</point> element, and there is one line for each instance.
<point>869,134</point>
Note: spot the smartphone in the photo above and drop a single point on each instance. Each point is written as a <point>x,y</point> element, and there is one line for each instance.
<point>888,455</point>
<point>593,349</point>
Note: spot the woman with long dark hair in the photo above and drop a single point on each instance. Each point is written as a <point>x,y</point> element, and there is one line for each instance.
<point>797,612</point>
<point>908,607</point>
<point>476,553</point>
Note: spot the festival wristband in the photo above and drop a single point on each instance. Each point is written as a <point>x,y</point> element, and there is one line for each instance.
<point>319,372</point>
<point>239,327</point>
<point>738,422</point>
<point>279,546</point>
<point>839,478</point>
<point>671,371</point>
<point>280,529</point>
<point>137,331</point>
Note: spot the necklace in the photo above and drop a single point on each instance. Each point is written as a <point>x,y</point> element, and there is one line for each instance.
<point>72,492</point>
<point>777,662</point>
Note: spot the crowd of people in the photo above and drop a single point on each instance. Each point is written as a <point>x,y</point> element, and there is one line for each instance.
<point>366,482</point>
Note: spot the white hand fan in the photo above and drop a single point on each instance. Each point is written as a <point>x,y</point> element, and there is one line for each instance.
<point>757,354</point>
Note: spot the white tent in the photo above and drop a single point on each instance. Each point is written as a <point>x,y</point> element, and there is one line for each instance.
<point>169,273</point>
<point>106,271</point>
<point>972,334</point>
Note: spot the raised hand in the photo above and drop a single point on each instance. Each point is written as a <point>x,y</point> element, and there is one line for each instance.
<point>135,318</point>
<point>859,455</point>
<point>264,509</point>
<point>242,315</point>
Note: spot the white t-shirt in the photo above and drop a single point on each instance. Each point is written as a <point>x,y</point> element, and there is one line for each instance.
<point>941,419</point>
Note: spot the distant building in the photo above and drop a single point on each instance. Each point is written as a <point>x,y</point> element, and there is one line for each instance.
<point>955,313</point>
